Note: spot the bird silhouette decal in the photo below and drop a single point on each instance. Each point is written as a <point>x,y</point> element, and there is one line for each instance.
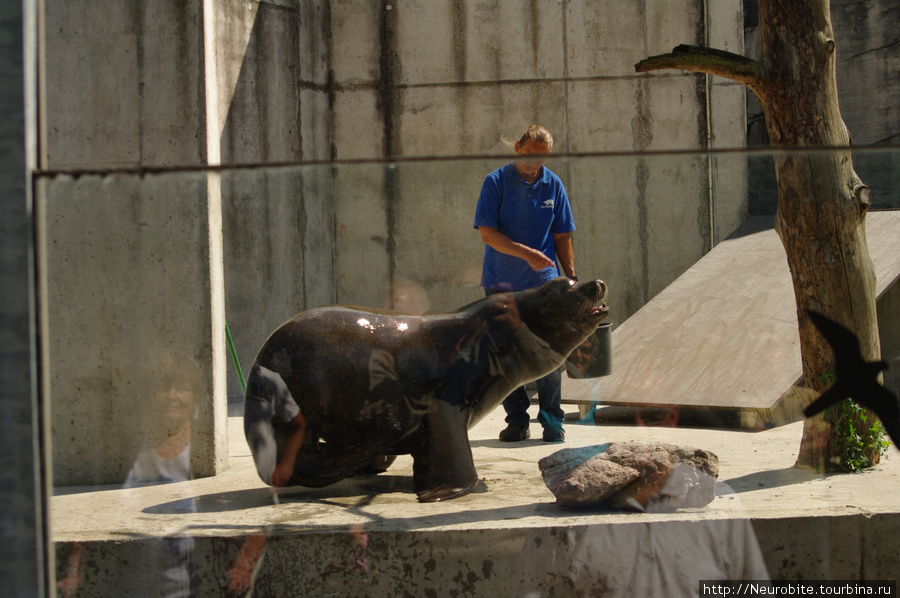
<point>856,378</point>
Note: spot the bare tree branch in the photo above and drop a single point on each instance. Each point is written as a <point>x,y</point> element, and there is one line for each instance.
<point>710,61</point>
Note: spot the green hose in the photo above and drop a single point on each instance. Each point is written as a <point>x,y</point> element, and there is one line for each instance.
<point>234,358</point>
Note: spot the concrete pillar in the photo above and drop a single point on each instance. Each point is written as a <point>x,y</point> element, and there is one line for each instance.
<point>137,84</point>
<point>131,274</point>
<point>24,555</point>
<point>133,264</point>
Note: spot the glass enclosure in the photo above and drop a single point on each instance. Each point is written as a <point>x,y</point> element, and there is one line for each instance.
<point>159,289</point>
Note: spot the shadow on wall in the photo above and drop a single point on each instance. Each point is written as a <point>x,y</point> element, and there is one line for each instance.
<point>277,222</point>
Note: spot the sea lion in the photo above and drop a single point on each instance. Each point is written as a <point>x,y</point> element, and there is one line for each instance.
<point>372,384</point>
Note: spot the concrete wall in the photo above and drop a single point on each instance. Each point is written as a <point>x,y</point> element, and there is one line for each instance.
<point>868,73</point>
<point>125,84</point>
<point>278,239</point>
<point>868,79</point>
<point>554,560</point>
<point>273,107</point>
<point>443,78</point>
<point>271,72</point>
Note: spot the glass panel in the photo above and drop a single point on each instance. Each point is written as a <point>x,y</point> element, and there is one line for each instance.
<point>160,290</point>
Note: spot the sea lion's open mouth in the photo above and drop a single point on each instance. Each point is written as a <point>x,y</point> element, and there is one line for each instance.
<point>596,310</point>
<point>594,306</point>
<point>600,309</point>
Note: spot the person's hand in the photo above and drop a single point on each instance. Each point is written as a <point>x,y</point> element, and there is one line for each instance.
<point>239,578</point>
<point>538,261</point>
<point>282,474</point>
<point>68,585</point>
<point>503,312</point>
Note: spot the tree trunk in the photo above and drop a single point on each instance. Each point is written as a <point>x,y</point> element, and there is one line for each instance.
<point>822,204</point>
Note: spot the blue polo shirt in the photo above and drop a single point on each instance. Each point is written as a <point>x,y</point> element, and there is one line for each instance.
<point>527,213</point>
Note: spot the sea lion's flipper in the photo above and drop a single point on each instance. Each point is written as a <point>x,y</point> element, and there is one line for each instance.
<point>442,460</point>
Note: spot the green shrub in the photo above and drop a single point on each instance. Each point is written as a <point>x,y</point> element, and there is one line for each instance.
<point>858,438</point>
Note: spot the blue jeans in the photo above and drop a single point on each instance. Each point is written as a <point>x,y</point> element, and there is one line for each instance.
<point>550,413</point>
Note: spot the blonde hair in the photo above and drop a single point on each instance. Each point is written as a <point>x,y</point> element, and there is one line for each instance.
<point>534,133</point>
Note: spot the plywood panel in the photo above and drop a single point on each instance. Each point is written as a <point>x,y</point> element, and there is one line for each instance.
<point>724,334</point>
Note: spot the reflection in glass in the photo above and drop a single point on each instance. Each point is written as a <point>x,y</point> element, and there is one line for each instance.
<point>335,233</point>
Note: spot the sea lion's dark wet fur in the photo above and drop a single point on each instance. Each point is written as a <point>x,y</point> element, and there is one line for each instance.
<point>371,383</point>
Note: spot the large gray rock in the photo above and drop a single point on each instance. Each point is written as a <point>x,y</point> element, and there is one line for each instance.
<point>632,475</point>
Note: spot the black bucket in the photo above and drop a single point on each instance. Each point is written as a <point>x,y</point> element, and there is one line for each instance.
<point>593,359</point>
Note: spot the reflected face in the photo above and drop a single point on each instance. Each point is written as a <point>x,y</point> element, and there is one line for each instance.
<point>582,355</point>
<point>175,399</point>
<point>530,168</point>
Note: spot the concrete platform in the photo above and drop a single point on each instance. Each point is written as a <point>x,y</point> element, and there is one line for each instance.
<point>721,341</point>
<point>369,536</point>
